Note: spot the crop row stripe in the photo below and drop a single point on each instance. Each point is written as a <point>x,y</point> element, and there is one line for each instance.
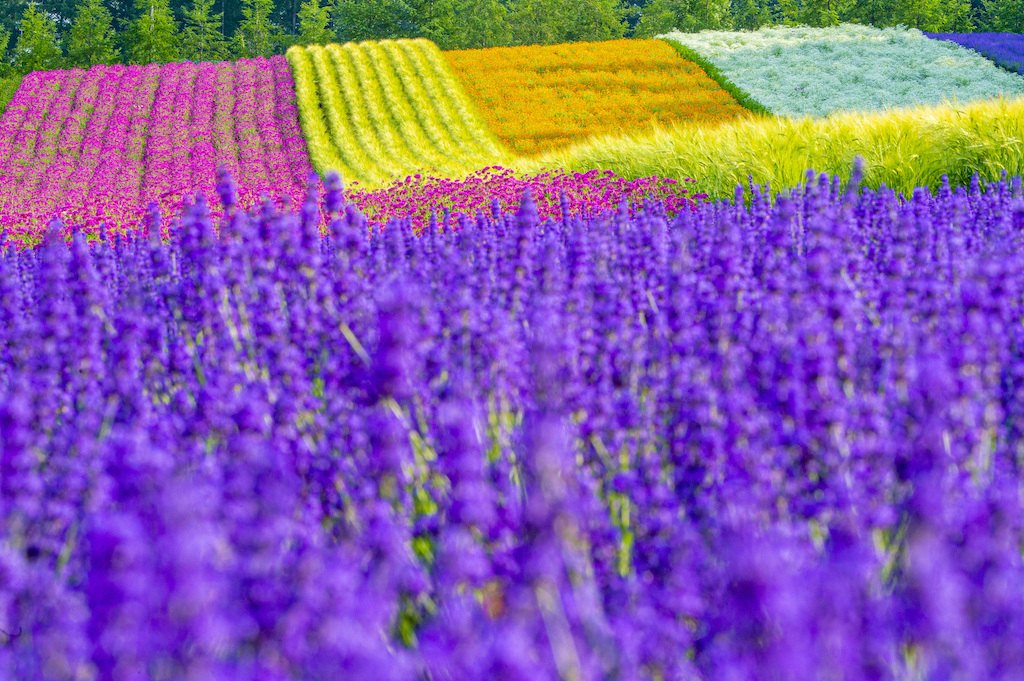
<point>378,142</point>
<point>434,64</point>
<point>15,115</point>
<point>380,109</point>
<point>43,172</point>
<point>111,109</point>
<point>27,139</point>
<point>421,105</point>
<point>310,116</point>
<point>158,140</point>
<point>286,108</point>
<point>89,111</point>
<point>341,132</point>
<point>415,127</point>
<point>434,111</point>
<point>268,126</point>
<point>201,144</point>
<point>376,111</point>
<point>252,148</point>
<point>70,140</point>
<point>322,152</point>
<point>439,92</point>
<point>95,131</point>
<point>48,140</point>
<point>187,102</point>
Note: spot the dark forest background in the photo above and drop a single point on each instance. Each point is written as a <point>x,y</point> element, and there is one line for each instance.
<point>50,34</point>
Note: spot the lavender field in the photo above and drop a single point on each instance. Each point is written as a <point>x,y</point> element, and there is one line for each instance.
<point>779,439</point>
<point>1005,49</point>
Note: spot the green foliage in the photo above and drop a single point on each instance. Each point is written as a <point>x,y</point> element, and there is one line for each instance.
<point>256,36</point>
<point>37,48</point>
<point>877,13</point>
<point>91,40</point>
<point>594,20</point>
<point>819,13</point>
<point>1004,16</point>
<point>482,23</point>
<point>744,99</point>
<point>688,16</point>
<point>750,15</point>
<point>935,15</point>
<point>436,20</point>
<point>957,17</point>
<point>358,20</point>
<point>6,71</point>
<point>202,39</point>
<point>8,87</point>
<point>153,37</point>
<point>439,21</point>
<point>787,12</point>
<point>536,22</point>
<point>547,22</point>
<point>313,24</point>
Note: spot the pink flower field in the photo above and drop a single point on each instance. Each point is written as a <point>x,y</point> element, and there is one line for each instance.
<point>96,147</point>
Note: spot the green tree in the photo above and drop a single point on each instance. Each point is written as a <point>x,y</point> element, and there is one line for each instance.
<point>593,20</point>
<point>10,19</point>
<point>750,15</point>
<point>356,20</point>
<point>957,16</point>
<point>201,37</point>
<point>482,23</point>
<point>819,13</point>
<point>787,12</point>
<point>436,20</point>
<point>37,48</point>
<point>91,40</point>
<point>256,35</point>
<point>313,24</point>
<point>537,22</point>
<point>878,13</point>
<point>5,65</point>
<point>153,37</point>
<point>1003,15</point>
<point>935,15</point>
<point>462,24</point>
<point>688,16</point>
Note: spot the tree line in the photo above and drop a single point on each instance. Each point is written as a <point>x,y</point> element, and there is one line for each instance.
<point>52,34</point>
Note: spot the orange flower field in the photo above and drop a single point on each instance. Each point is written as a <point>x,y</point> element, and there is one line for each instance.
<point>540,98</point>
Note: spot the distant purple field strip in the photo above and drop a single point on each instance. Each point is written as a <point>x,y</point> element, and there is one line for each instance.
<point>1005,49</point>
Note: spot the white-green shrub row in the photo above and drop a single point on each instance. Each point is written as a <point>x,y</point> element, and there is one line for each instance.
<point>817,71</point>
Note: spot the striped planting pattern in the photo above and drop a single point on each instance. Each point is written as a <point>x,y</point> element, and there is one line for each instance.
<point>378,111</point>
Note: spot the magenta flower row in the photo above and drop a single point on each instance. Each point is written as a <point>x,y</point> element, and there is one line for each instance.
<point>96,147</point>
<point>584,194</point>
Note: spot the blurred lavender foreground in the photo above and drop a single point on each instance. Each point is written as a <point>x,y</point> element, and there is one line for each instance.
<point>778,442</point>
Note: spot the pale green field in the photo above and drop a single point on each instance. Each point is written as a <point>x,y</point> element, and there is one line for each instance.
<point>820,71</point>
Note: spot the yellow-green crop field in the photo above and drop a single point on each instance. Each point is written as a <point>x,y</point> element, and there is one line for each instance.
<point>378,111</point>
